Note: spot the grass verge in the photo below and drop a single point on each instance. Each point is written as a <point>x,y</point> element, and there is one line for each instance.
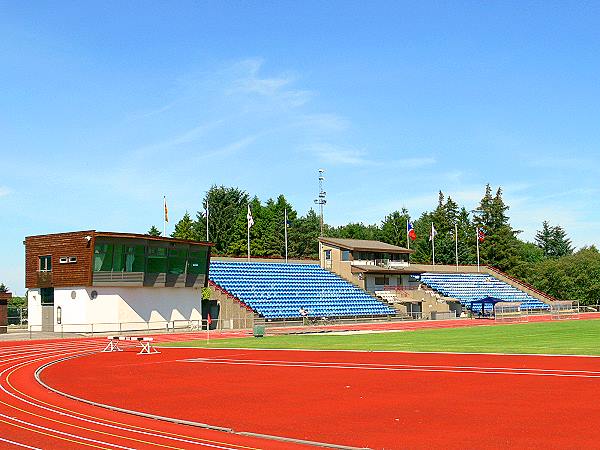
<point>572,337</point>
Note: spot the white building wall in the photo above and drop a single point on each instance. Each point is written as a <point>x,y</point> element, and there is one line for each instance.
<point>34,309</point>
<point>118,308</point>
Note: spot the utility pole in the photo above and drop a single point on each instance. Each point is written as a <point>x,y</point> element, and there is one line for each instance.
<point>321,199</point>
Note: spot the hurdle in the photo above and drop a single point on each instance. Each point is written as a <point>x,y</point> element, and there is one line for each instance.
<point>145,343</point>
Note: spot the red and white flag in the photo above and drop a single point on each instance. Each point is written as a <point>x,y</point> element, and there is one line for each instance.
<point>411,231</point>
<point>480,234</point>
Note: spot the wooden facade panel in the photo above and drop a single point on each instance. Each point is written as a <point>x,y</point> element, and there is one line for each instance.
<point>63,245</point>
<point>4,298</point>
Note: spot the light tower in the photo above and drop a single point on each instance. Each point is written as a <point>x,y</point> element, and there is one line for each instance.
<point>321,199</point>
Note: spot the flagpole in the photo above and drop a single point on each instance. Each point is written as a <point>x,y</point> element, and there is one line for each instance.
<point>433,243</point>
<point>407,238</point>
<point>207,220</point>
<point>477,240</point>
<point>248,240</point>
<point>248,217</point>
<point>285,225</point>
<point>164,215</point>
<point>456,243</point>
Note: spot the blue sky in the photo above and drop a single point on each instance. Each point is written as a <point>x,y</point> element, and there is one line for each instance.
<point>106,106</point>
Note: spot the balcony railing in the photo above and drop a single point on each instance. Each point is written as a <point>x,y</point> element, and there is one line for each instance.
<point>384,263</point>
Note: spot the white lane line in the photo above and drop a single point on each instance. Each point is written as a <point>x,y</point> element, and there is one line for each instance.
<point>402,367</point>
<point>199,441</point>
<point>19,444</point>
<point>63,433</point>
<point>395,352</point>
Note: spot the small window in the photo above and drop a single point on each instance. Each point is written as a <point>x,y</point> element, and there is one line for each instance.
<point>46,263</point>
<point>72,259</point>
<point>382,281</point>
<point>328,255</point>
<point>63,260</point>
<point>345,255</point>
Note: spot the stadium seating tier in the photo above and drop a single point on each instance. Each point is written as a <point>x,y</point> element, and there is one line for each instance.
<point>279,291</point>
<point>472,287</point>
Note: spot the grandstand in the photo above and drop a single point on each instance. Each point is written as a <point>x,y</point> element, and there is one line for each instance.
<point>472,287</point>
<point>280,291</point>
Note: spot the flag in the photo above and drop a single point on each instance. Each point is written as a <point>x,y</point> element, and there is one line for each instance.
<point>287,221</point>
<point>166,209</point>
<point>480,234</point>
<point>433,233</point>
<point>208,319</point>
<point>411,231</point>
<point>249,217</point>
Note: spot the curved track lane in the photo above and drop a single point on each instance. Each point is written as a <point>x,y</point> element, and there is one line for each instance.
<point>33,417</point>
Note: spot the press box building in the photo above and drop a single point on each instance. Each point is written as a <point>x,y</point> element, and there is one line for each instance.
<point>102,281</point>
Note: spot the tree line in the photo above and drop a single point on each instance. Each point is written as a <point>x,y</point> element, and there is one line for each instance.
<point>549,264</point>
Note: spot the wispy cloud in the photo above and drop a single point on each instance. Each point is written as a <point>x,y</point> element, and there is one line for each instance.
<point>279,88</point>
<point>334,154</point>
<point>4,191</point>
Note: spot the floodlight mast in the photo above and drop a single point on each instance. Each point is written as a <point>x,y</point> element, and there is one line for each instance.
<point>321,201</point>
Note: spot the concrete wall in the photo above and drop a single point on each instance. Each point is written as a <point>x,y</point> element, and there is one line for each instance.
<point>117,308</point>
<point>232,314</point>
<point>342,268</point>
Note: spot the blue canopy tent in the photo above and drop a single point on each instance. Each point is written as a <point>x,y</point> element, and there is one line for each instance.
<point>482,305</point>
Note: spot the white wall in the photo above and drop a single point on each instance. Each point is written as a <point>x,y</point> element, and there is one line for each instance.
<point>118,308</point>
<point>34,309</point>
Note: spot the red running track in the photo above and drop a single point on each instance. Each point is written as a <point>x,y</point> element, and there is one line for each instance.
<point>35,418</point>
<point>377,400</point>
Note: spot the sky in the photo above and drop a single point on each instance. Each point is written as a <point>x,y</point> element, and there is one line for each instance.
<point>107,106</point>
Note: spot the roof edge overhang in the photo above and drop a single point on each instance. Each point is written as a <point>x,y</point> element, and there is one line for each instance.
<point>366,249</point>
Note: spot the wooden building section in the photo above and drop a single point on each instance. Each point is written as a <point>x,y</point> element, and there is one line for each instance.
<point>70,259</point>
<point>73,249</point>
<point>4,298</point>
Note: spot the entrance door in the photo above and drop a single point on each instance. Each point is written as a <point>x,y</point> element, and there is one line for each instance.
<point>47,295</point>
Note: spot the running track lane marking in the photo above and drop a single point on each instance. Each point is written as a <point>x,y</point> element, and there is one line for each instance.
<point>179,421</point>
<point>401,367</point>
<point>108,423</point>
<point>189,440</point>
<point>19,444</point>
<point>51,435</point>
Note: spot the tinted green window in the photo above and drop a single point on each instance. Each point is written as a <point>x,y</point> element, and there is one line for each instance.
<point>197,261</point>
<point>118,260</point>
<point>103,255</point>
<point>134,258</point>
<point>157,260</point>
<point>177,260</point>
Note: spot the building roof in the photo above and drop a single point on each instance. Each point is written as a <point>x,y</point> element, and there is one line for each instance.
<point>149,237</point>
<point>385,270</point>
<point>112,234</point>
<point>364,245</point>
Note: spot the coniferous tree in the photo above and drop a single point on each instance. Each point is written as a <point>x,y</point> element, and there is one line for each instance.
<point>186,229</point>
<point>553,241</point>
<point>304,234</point>
<point>3,288</point>
<point>225,204</point>
<point>500,246</point>
<point>393,228</point>
<point>153,231</point>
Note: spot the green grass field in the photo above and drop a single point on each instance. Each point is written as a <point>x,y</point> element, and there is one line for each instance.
<point>572,337</point>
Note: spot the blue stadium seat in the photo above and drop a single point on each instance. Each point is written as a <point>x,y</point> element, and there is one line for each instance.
<point>475,286</point>
<point>277,290</point>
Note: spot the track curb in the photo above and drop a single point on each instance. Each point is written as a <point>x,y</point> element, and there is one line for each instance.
<point>40,369</point>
